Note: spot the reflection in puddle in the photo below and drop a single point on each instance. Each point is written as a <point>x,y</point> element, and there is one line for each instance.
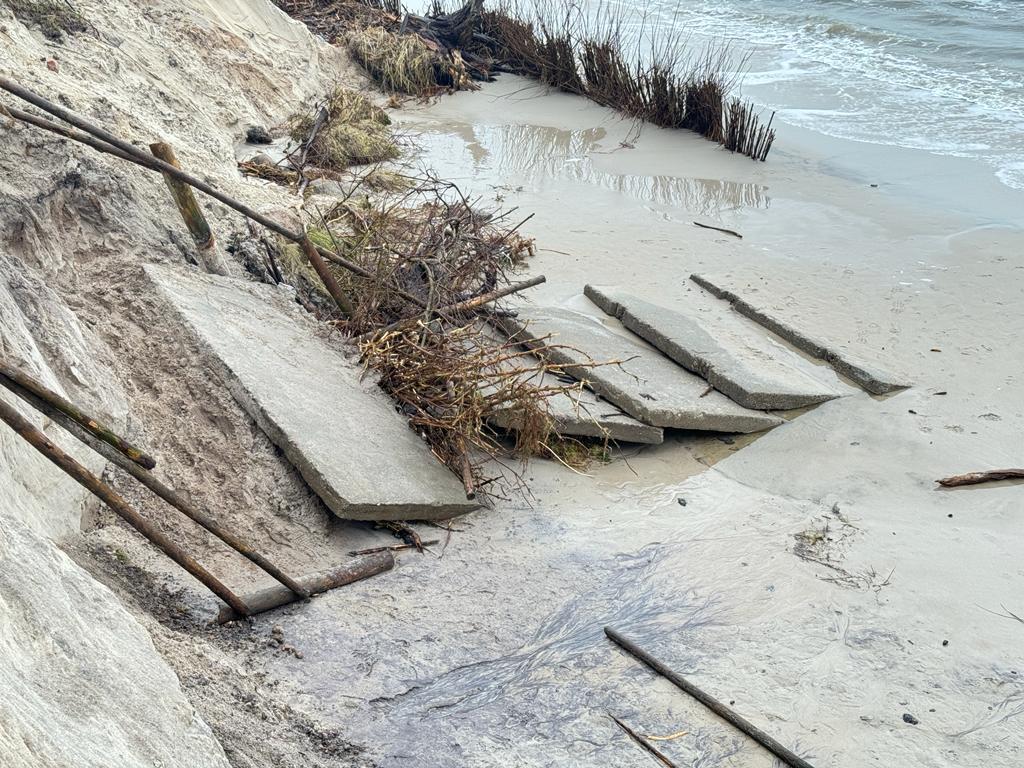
<point>530,154</point>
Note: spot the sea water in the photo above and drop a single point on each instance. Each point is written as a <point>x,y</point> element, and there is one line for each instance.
<point>943,76</point>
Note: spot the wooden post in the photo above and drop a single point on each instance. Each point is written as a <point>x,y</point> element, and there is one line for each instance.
<point>206,244</point>
<point>321,268</point>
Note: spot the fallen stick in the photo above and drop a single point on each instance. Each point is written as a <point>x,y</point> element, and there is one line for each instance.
<point>195,222</point>
<point>158,488</point>
<point>719,229</point>
<point>11,377</point>
<point>394,548</point>
<point>762,738</point>
<point>275,597</point>
<point>643,742</point>
<point>110,144</point>
<point>973,478</point>
<point>112,499</point>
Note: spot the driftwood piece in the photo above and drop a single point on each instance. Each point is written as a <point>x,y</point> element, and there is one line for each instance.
<point>275,597</point>
<point>9,375</point>
<point>661,758</point>
<point>158,488</point>
<point>116,502</point>
<point>731,717</point>
<point>974,478</point>
<point>719,229</point>
<point>198,227</point>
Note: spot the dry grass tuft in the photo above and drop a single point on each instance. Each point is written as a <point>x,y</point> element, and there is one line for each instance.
<point>355,132</point>
<point>406,63</point>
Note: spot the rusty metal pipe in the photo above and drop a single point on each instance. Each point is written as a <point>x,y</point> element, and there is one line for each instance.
<point>116,502</point>
<point>11,375</point>
<point>158,488</point>
<point>275,597</point>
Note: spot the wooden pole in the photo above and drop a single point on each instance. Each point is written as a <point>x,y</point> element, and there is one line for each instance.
<point>317,262</point>
<point>158,488</point>
<point>275,597</point>
<point>11,377</point>
<point>210,255</point>
<point>762,738</point>
<point>116,502</point>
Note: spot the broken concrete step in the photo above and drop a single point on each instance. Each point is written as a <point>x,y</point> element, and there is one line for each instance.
<point>728,359</point>
<point>584,414</point>
<point>341,433</point>
<point>865,375</point>
<point>646,384</point>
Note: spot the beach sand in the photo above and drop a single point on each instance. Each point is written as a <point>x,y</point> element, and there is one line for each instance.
<point>492,653</point>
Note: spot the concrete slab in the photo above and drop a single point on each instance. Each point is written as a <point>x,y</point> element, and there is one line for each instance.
<point>867,376</point>
<point>731,361</point>
<point>584,414</point>
<point>646,385</point>
<point>342,434</point>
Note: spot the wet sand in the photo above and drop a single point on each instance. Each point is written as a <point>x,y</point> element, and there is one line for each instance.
<point>490,651</point>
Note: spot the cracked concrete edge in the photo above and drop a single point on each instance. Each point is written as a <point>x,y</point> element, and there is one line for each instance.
<point>743,422</point>
<point>868,378</point>
<point>740,384</point>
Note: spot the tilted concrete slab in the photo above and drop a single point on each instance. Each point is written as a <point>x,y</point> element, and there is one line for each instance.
<point>646,384</point>
<point>865,375</point>
<point>581,413</point>
<point>341,433</point>
<point>731,361</point>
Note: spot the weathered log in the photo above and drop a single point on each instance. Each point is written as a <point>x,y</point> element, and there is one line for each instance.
<point>185,199</point>
<point>116,502</point>
<point>317,262</point>
<point>731,717</point>
<point>974,478</point>
<point>275,597</point>
<point>11,376</point>
<point>158,488</point>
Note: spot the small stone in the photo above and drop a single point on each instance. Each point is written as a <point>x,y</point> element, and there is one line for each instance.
<point>257,134</point>
<point>945,643</point>
<point>681,501</point>
<point>910,719</point>
<point>51,64</point>
<point>277,630</point>
<point>299,655</point>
